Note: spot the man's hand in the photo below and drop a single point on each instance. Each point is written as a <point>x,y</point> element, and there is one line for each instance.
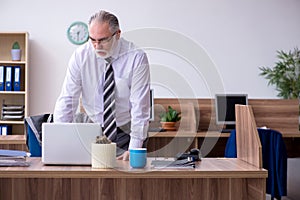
<point>124,156</point>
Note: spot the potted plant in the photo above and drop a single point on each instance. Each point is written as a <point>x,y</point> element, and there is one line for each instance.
<point>285,75</point>
<point>169,118</point>
<point>103,153</point>
<point>16,52</point>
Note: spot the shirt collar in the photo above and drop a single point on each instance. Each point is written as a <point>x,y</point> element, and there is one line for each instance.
<point>116,51</point>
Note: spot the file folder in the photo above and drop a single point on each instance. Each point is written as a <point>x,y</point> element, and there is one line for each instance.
<point>8,83</point>
<point>2,78</point>
<point>13,153</point>
<point>13,158</point>
<point>17,72</point>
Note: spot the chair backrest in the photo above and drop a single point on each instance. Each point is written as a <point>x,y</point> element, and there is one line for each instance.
<point>33,132</point>
<point>248,143</point>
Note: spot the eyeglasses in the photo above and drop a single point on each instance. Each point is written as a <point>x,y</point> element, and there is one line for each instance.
<point>103,40</point>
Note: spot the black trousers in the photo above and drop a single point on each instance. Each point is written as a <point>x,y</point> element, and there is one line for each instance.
<point>123,138</point>
<point>123,133</point>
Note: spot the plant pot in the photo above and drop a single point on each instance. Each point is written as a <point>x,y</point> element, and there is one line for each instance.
<point>103,155</point>
<point>16,54</point>
<point>169,126</point>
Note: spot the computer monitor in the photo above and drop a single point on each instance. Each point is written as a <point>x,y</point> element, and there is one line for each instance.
<point>151,105</point>
<point>225,108</point>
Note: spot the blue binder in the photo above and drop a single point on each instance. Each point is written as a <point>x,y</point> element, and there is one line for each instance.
<point>8,79</point>
<point>6,130</point>
<point>17,76</point>
<point>2,78</point>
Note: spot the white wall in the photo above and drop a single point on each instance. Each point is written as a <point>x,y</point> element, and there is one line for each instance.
<point>237,36</point>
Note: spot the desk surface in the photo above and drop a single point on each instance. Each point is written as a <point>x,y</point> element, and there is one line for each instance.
<point>207,168</point>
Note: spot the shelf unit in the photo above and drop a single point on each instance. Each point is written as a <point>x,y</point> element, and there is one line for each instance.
<point>15,97</point>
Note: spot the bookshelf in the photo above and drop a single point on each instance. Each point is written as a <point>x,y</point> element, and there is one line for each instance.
<point>14,97</point>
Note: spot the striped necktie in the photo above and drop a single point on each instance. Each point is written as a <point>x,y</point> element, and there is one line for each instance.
<point>109,124</point>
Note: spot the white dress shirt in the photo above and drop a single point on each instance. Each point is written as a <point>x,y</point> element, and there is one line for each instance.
<point>85,77</point>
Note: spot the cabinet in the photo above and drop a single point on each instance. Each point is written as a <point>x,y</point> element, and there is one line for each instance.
<point>14,97</point>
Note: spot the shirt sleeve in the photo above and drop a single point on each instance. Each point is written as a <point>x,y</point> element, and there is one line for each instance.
<point>67,103</point>
<point>140,102</point>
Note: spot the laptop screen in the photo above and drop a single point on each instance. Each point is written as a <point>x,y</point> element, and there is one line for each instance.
<point>68,143</point>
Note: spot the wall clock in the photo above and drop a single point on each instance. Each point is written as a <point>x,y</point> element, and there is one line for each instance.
<point>78,33</point>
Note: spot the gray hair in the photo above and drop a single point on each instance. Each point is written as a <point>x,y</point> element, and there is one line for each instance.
<point>103,16</point>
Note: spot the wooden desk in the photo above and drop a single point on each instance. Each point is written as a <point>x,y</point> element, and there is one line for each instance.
<point>212,178</point>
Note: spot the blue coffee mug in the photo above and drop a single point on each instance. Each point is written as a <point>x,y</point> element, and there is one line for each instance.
<point>138,157</point>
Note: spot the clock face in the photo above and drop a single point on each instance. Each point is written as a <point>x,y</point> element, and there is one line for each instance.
<point>78,33</point>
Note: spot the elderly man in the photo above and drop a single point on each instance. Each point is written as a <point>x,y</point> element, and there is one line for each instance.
<point>112,77</point>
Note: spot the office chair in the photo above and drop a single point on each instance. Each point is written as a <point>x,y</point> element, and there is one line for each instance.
<point>33,132</point>
<point>274,159</point>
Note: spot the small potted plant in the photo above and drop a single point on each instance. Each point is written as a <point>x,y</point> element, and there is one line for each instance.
<point>16,52</point>
<point>169,118</point>
<point>103,153</point>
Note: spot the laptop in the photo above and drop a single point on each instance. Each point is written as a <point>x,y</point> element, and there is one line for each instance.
<point>68,143</point>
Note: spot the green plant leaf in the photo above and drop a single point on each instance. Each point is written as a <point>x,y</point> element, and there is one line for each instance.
<point>170,115</point>
<point>16,45</point>
<point>285,75</point>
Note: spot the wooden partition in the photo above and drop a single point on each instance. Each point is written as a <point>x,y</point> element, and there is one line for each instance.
<point>186,107</point>
<point>247,139</point>
<point>248,144</point>
<point>279,114</point>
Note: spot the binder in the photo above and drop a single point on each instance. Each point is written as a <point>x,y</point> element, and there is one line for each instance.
<point>17,76</point>
<point>2,78</point>
<point>6,130</point>
<point>8,79</point>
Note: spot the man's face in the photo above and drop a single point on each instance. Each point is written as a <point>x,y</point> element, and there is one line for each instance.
<point>102,39</point>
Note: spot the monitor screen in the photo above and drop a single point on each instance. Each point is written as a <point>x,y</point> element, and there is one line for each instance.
<point>225,107</point>
<point>151,105</point>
